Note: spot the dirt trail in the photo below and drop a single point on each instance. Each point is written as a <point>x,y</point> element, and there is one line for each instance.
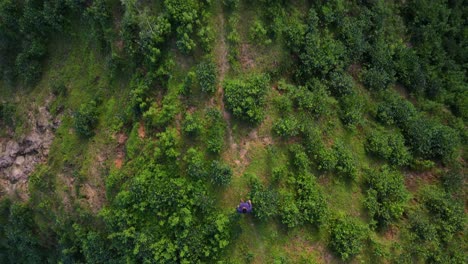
<point>221,54</point>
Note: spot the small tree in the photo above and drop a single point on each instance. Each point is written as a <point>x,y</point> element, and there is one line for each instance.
<point>85,119</point>
<point>264,200</point>
<point>195,164</point>
<point>386,196</point>
<point>206,75</point>
<point>245,97</point>
<point>347,237</point>
<point>221,173</point>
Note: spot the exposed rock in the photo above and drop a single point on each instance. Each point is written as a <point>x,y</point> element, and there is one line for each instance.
<point>18,158</point>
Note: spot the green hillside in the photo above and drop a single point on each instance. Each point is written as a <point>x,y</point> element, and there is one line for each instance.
<point>130,130</point>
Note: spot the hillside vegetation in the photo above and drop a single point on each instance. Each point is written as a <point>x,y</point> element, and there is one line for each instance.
<point>344,122</point>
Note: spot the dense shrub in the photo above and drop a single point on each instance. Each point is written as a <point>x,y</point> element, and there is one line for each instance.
<point>286,127</point>
<point>258,33</point>
<point>305,203</point>
<point>245,97</point>
<point>326,159</point>
<point>395,110</point>
<point>206,75</point>
<point>313,99</point>
<point>345,164</point>
<point>299,158</point>
<point>446,213</point>
<point>341,83</point>
<point>85,119</point>
<point>389,146</point>
<point>160,116</point>
<point>318,53</point>
<point>351,109</point>
<point>220,173</point>
<point>386,196</point>
<point>18,235</point>
<point>431,140</point>
<point>215,131</point>
<point>192,125</point>
<point>7,113</point>
<point>195,164</point>
<point>347,237</point>
<point>264,200</point>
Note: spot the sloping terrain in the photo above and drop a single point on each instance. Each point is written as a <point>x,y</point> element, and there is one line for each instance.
<point>130,130</point>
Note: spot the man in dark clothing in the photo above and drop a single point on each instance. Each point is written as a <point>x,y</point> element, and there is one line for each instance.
<point>244,207</point>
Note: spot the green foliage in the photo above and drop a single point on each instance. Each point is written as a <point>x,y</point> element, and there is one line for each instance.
<point>85,119</point>
<point>286,127</point>
<point>436,227</point>
<point>258,33</point>
<point>160,116</point>
<point>347,237</point>
<point>386,196</point>
<point>220,173</point>
<point>395,110</point>
<point>19,242</point>
<point>195,164</point>
<point>59,88</point>
<point>341,83</point>
<point>192,125</point>
<point>431,140</point>
<point>183,14</point>
<point>305,203</point>
<point>312,99</point>
<point>264,200</point>
<point>7,114</point>
<point>326,159</point>
<point>318,53</point>
<point>215,131</point>
<point>245,97</point>
<point>446,213</point>
<point>134,143</point>
<point>389,146</point>
<point>206,75</point>
<point>345,164</point>
<point>351,109</point>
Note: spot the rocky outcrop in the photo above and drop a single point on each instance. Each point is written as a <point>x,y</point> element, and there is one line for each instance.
<point>18,158</point>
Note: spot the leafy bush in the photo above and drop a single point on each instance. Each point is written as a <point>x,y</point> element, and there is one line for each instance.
<point>446,212</point>
<point>346,164</point>
<point>299,158</point>
<point>7,114</point>
<point>286,127</point>
<point>319,54</point>
<point>431,140</point>
<point>351,109</point>
<point>347,237</point>
<point>386,196</point>
<point>168,146</point>
<point>195,164</point>
<point>389,146</point>
<point>245,97</point>
<point>85,119</point>
<point>315,101</point>
<point>304,204</point>
<point>215,131</point>
<point>341,83</point>
<point>264,201</point>
<point>258,33</point>
<point>395,110</point>
<point>221,174</point>
<point>192,125</point>
<point>18,234</point>
<point>206,75</point>
<point>326,159</point>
